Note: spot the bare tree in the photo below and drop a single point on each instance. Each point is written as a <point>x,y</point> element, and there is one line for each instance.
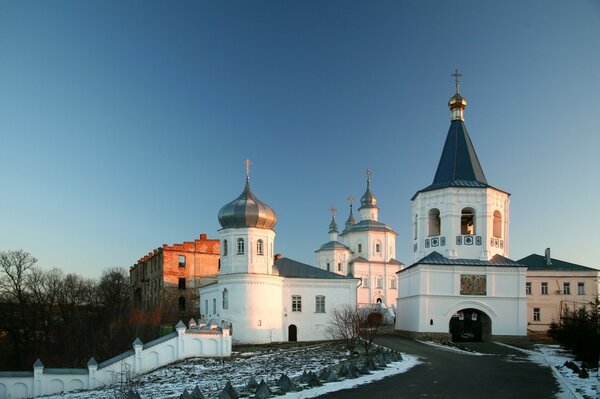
<point>370,321</point>
<point>14,268</point>
<point>354,326</point>
<point>344,326</point>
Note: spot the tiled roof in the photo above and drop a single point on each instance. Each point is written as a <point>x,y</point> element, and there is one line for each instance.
<point>538,262</point>
<point>435,258</point>
<point>286,267</point>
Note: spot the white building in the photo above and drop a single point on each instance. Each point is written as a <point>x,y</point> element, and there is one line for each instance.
<point>367,252</point>
<point>461,282</point>
<point>266,300</point>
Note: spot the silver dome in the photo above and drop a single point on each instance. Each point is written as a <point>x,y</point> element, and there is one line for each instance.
<point>368,200</point>
<point>247,211</point>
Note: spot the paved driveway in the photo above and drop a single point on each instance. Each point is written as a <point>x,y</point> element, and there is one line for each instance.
<point>503,373</point>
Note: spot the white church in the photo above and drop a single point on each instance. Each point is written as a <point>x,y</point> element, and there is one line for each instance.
<point>460,285</point>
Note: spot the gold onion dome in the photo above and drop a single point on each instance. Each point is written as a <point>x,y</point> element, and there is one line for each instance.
<point>457,101</point>
<point>247,211</point>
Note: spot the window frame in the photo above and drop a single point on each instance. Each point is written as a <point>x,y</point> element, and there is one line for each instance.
<point>497,224</point>
<point>225,298</point>
<point>537,314</point>
<point>181,260</point>
<point>566,288</point>
<point>528,288</point>
<point>320,304</point>
<point>468,214</point>
<point>434,223</point>
<point>580,288</point>
<point>296,303</point>
<point>544,288</point>
<point>259,247</point>
<point>224,247</point>
<point>241,246</point>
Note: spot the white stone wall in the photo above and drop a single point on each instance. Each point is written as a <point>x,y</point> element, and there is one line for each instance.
<point>450,202</point>
<point>250,261</point>
<point>372,271</point>
<point>260,306</point>
<point>143,358</point>
<point>334,257</point>
<point>429,296</point>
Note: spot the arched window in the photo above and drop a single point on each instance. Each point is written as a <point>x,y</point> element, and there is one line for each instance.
<point>181,303</point>
<point>224,247</point>
<point>497,230</point>
<point>379,282</point>
<point>259,247</point>
<point>467,221</point>
<point>214,305</point>
<point>415,228</point>
<point>378,246</point>
<point>225,299</point>
<point>240,242</point>
<point>435,224</point>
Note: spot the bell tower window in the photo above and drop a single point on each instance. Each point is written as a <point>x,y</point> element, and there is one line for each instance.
<point>497,230</point>
<point>240,243</point>
<point>467,221</point>
<point>224,247</point>
<point>434,226</point>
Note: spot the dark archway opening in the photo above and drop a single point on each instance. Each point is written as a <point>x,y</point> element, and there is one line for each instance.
<point>292,333</point>
<point>470,325</point>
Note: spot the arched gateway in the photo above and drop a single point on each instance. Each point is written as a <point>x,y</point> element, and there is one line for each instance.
<point>469,325</point>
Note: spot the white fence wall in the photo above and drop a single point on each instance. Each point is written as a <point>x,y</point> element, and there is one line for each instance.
<point>178,345</point>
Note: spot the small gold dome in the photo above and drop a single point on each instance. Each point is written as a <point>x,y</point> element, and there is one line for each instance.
<point>457,101</point>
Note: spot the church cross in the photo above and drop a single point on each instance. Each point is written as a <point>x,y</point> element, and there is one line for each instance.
<point>247,163</point>
<point>456,75</point>
<point>350,199</point>
<point>368,173</point>
<point>332,210</point>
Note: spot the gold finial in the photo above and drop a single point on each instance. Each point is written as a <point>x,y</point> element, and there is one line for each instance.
<point>350,199</point>
<point>456,75</point>
<point>368,173</point>
<point>332,210</point>
<point>247,163</point>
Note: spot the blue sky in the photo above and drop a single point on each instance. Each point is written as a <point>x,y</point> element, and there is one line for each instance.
<point>124,125</point>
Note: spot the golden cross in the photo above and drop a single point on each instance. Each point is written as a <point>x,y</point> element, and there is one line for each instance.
<point>247,163</point>
<point>350,199</point>
<point>456,75</point>
<point>332,210</point>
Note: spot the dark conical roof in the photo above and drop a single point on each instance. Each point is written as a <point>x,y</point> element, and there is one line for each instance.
<point>459,165</point>
<point>459,161</point>
<point>333,227</point>
<point>247,211</point>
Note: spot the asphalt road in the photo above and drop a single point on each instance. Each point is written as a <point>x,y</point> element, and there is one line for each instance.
<point>503,373</point>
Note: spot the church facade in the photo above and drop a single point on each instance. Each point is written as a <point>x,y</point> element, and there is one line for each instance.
<point>365,250</point>
<point>263,298</point>
<point>461,282</point>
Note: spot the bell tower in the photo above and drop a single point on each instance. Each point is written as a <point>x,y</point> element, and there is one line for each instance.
<point>460,215</point>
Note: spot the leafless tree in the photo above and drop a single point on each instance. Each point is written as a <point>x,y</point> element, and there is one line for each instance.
<point>344,326</point>
<point>354,326</point>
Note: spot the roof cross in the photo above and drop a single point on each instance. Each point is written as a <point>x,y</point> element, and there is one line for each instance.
<point>350,199</point>
<point>247,163</point>
<point>456,75</point>
<point>332,210</point>
<point>368,173</point>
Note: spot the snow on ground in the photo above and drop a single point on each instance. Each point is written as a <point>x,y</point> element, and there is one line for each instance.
<point>554,356</point>
<point>266,363</point>
<point>452,348</point>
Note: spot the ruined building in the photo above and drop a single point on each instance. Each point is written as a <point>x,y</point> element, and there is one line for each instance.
<point>168,278</point>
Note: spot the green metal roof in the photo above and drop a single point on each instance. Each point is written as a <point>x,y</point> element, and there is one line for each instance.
<point>538,262</point>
